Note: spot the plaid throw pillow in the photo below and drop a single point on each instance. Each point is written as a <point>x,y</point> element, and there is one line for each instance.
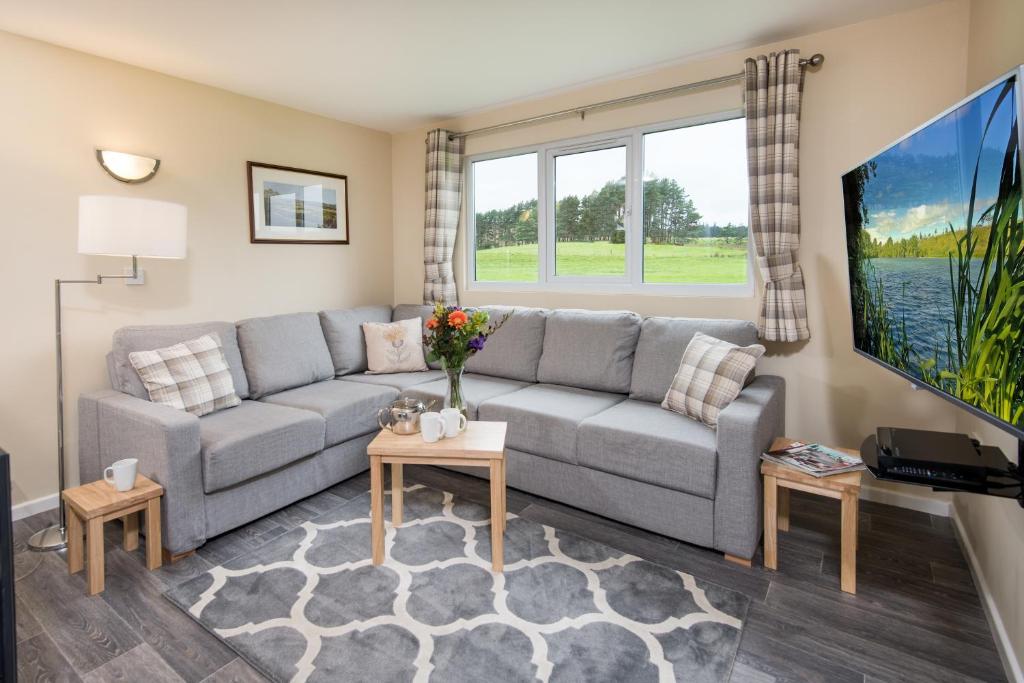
<point>711,375</point>
<point>192,376</point>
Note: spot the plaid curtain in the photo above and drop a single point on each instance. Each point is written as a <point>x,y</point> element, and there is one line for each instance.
<point>774,85</point>
<point>444,200</point>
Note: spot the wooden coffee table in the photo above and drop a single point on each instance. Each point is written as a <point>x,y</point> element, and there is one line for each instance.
<point>90,505</point>
<point>482,444</point>
<point>779,479</point>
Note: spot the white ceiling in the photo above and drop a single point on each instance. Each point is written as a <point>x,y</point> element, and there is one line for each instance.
<point>393,64</point>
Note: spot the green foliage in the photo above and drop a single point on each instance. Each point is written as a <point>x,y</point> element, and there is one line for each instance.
<point>939,245</point>
<point>670,217</point>
<point>456,333</point>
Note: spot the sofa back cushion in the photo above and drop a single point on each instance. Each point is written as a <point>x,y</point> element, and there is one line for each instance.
<point>343,332</point>
<point>589,349</point>
<point>514,351</point>
<point>123,376</point>
<point>661,345</point>
<point>283,352</point>
<point>422,311</point>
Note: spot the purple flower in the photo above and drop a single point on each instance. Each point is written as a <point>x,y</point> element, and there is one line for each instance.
<point>477,343</point>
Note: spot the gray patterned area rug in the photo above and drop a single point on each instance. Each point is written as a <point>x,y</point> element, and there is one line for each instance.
<point>310,606</point>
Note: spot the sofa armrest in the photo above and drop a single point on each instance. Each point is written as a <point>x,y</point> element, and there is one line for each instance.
<point>745,430</point>
<point>114,425</point>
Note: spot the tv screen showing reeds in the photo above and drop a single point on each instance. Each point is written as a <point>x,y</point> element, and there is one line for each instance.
<point>936,254</point>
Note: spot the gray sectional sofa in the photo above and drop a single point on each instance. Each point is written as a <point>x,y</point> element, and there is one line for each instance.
<point>581,391</point>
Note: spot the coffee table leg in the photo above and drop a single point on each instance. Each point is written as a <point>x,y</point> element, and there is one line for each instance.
<point>396,494</point>
<point>94,540</point>
<point>377,508</point>
<point>848,570</point>
<point>497,526</point>
<point>771,552</point>
<point>130,533</point>
<point>76,561</point>
<point>504,495</point>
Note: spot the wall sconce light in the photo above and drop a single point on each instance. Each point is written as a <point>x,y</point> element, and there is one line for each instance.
<point>128,168</point>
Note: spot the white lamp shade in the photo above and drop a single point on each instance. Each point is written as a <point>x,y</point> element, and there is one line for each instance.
<point>126,226</point>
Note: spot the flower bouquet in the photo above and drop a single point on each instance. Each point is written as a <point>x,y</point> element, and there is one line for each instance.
<point>455,334</point>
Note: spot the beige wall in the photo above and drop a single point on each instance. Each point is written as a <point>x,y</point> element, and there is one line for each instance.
<point>995,527</point>
<point>869,92</point>
<point>59,105</point>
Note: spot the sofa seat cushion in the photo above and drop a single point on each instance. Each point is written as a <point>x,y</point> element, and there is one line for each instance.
<point>254,438</point>
<point>349,408</point>
<point>642,441</point>
<point>397,380</point>
<point>543,418</point>
<point>476,388</point>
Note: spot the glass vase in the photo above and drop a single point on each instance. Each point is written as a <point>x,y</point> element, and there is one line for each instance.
<point>453,395</point>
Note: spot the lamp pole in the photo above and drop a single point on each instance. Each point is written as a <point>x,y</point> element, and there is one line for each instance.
<point>56,537</point>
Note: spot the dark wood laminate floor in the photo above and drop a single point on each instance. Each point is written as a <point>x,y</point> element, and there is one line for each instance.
<point>916,617</point>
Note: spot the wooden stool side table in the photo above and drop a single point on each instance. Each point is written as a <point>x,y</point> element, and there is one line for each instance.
<point>779,480</point>
<point>482,444</point>
<point>91,505</point>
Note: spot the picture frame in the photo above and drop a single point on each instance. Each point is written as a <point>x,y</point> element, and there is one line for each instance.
<point>296,206</point>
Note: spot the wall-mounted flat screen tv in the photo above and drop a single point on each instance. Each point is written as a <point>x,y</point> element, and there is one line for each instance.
<point>935,242</point>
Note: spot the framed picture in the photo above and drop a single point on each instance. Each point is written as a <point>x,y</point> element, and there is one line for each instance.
<point>296,206</point>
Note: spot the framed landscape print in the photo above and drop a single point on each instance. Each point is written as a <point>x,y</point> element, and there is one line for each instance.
<point>296,206</point>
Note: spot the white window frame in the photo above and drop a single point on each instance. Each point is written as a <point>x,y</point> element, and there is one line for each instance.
<point>632,282</point>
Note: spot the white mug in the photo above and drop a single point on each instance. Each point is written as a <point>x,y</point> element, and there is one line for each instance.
<point>454,421</point>
<point>121,475</point>
<point>431,427</point>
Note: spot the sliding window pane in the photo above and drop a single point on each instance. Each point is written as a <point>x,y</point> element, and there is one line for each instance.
<point>695,204</point>
<point>590,203</point>
<point>505,211</point>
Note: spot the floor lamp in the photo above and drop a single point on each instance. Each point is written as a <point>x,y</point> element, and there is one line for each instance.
<point>111,226</point>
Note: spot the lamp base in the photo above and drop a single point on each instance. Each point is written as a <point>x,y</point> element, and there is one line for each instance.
<point>49,539</point>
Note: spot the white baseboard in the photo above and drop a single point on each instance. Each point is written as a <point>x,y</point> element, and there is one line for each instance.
<point>1003,644</point>
<point>908,499</point>
<point>34,507</point>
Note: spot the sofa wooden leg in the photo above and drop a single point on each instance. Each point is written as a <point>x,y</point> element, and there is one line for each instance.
<point>171,558</point>
<point>739,560</point>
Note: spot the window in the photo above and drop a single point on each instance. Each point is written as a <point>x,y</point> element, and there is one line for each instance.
<point>659,208</point>
<point>504,193</point>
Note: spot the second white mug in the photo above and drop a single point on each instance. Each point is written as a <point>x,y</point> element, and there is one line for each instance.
<point>431,426</point>
<point>454,421</point>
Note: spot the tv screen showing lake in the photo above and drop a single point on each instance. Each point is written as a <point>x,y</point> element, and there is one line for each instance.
<point>935,241</point>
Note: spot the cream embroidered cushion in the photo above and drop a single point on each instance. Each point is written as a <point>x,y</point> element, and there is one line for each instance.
<point>394,347</point>
<point>192,376</point>
<point>711,375</point>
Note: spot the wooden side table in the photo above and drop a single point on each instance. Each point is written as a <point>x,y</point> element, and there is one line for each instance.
<point>779,479</point>
<point>90,505</point>
<point>482,444</point>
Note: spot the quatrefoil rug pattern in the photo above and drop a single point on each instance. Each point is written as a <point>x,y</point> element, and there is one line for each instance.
<point>310,606</point>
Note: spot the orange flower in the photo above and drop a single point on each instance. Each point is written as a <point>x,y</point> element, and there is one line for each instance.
<point>457,319</point>
<point>432,323</point>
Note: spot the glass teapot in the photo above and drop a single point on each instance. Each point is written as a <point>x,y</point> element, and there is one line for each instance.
<point>402,416</point>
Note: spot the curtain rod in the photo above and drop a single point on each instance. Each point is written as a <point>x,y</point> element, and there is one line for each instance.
<point>815,60</point>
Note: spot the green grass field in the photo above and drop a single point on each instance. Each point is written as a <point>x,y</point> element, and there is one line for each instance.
<point>704,261</point>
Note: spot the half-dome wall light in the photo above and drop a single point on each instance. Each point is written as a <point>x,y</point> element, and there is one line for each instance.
<point>128,168</point>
